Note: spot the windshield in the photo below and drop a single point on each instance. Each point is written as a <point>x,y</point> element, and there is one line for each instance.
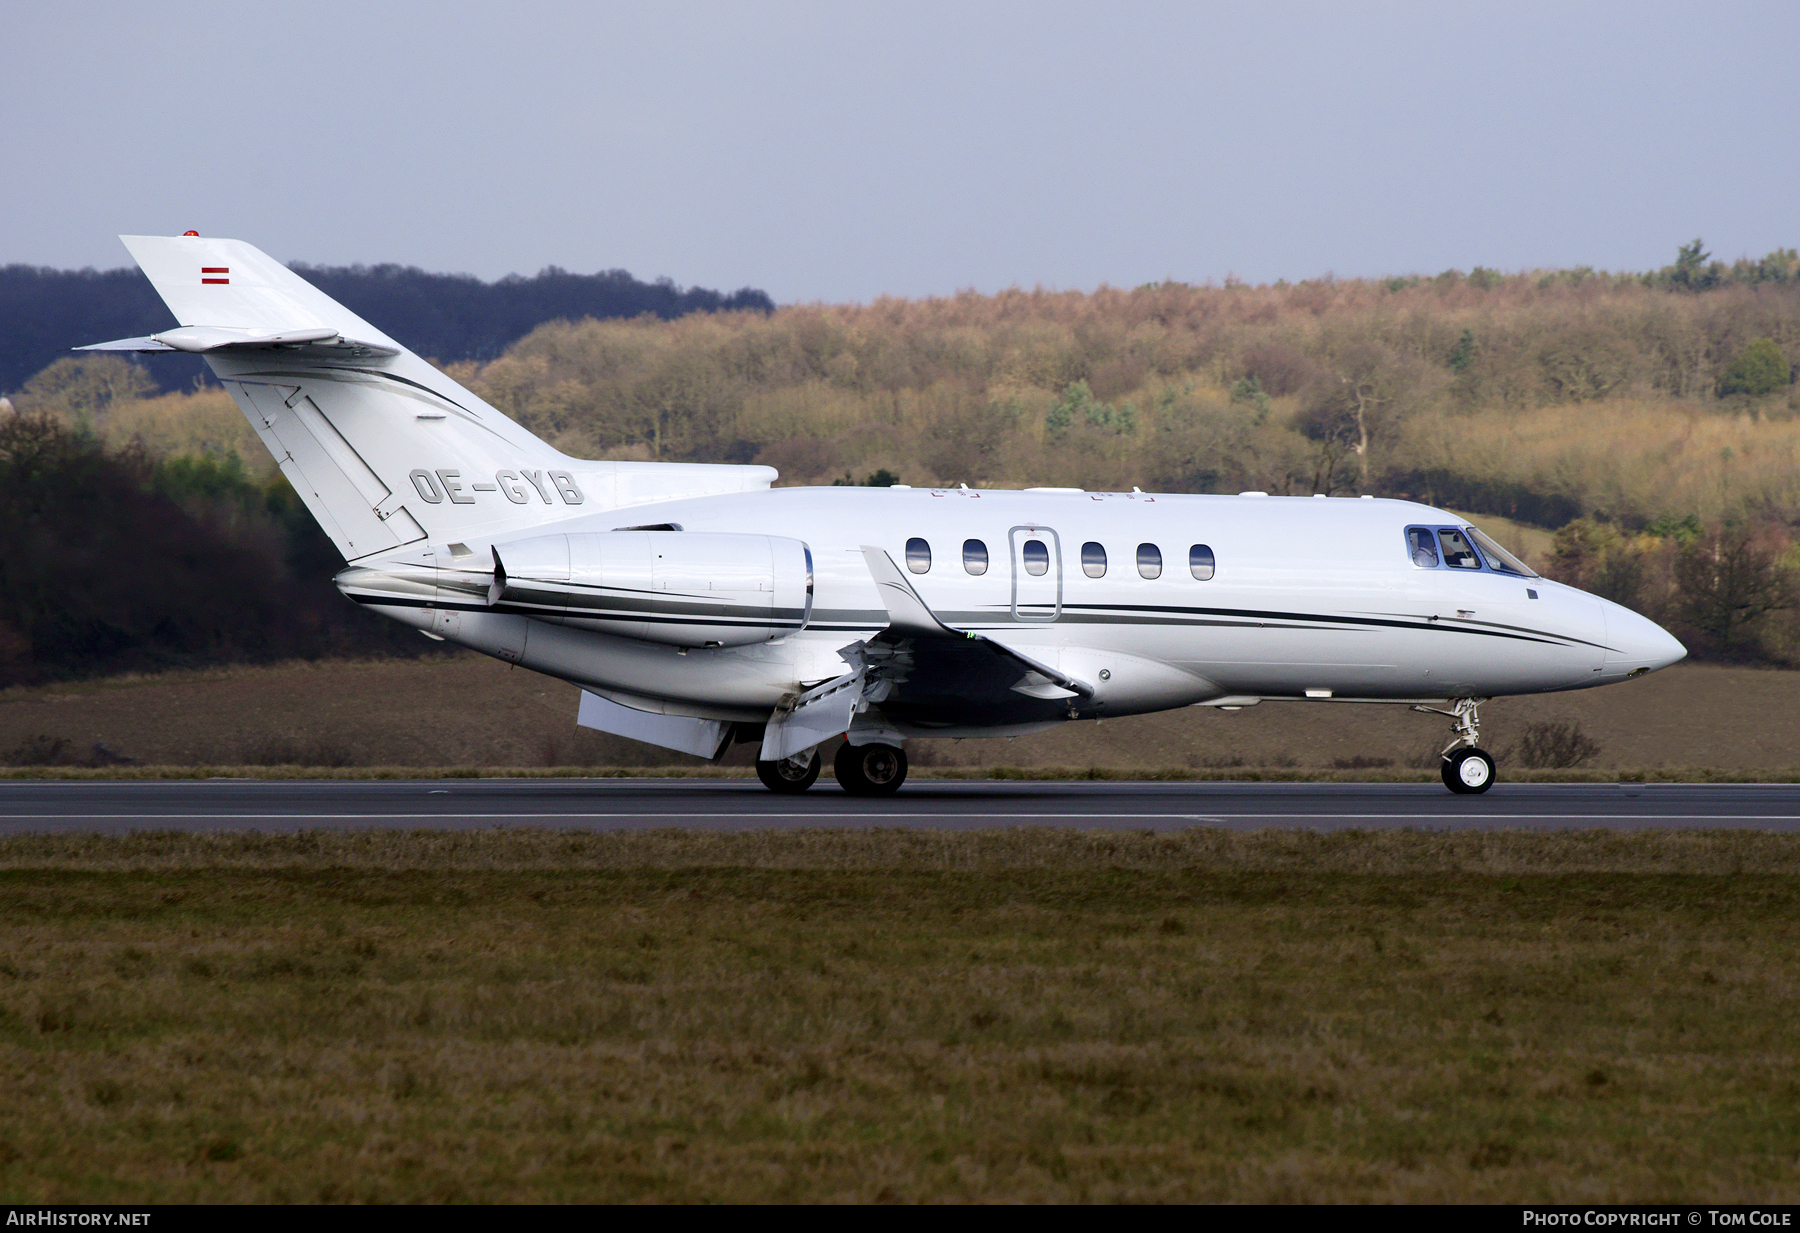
<point>1499,559</point>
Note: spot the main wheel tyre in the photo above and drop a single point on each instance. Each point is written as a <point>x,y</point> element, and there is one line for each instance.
<point>1468,770</point>
<point>870,770</point>
<point>788,775</point>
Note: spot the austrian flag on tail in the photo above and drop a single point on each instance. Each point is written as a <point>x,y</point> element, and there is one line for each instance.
<point>214,269</point>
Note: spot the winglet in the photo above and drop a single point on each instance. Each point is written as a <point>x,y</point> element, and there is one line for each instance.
<point>908,615</point>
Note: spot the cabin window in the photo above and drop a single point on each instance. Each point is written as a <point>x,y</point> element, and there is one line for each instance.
<point>1036,556</point>
<point>975,556</point>
<point>1200,562</point>
<point>1149,559</point>
<point>918,555</point>
<point>1499,559</point>
<point>1093,560</point>
<point>1421,546</point>
<point>1458,554</point>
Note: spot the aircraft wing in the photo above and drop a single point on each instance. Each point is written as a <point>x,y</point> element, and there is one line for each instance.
<point>921,672</point>
<point>910,617</point>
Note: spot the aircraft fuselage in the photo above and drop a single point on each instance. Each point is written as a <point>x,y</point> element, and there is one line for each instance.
<point>1159,600</point>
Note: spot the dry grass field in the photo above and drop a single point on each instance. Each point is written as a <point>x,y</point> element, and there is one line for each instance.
<point>900,1016</point>
<point>462,711</point>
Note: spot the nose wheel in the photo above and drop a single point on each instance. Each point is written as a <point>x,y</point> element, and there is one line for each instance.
<point>1467,771</point>
<point>870,770</point>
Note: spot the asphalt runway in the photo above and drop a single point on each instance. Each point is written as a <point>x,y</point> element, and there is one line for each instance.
<point>125,806</point>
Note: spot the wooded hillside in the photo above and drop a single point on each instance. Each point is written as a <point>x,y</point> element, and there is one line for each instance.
<point>1650,421</point>
<point>1459,382</point>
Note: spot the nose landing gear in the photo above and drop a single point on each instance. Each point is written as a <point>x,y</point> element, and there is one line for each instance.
<point>1466,768</point>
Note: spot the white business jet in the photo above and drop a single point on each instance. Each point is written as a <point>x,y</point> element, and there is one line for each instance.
<point>696,606</point>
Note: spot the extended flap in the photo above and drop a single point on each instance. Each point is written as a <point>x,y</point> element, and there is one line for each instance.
<point>819,714</point>
<point>704,738</point>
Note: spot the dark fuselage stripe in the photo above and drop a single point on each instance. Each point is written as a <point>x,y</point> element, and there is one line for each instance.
<point>1239,615</point>
<point>409,601</point>
<point>1107,614</point>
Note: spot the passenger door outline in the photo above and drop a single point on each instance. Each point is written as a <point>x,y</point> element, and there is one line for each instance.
<point>1049,585</point>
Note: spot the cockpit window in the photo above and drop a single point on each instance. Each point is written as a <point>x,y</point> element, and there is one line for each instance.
<point>1421,546</point>
<point>1457,552</point>
<point>1463,548</point>
<point>1499,559</point>
<point>918,555</point>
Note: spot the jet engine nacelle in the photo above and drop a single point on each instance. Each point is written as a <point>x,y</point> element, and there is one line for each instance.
<point>672,587</point>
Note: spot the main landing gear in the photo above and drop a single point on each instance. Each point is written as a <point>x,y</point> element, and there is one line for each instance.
<point>863,770</point>
<point>790,774</point>
<point>870,770</point>
<point>1466,768</point>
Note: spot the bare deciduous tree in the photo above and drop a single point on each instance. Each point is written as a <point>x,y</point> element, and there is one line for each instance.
<point>1728,581</point>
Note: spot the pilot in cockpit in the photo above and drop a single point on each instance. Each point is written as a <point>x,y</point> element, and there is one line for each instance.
<point>1424,548</point>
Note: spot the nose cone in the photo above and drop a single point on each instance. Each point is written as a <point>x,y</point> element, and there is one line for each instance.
<point>1636,645</point>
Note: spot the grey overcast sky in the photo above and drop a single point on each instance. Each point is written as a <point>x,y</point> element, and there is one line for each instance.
<point>841,151</point>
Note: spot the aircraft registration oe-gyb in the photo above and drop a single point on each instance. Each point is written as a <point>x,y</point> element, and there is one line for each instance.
<point>697,606</point>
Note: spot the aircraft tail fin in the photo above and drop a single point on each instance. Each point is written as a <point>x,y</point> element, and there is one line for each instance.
<point>384,449</point>
<point>229,284</point>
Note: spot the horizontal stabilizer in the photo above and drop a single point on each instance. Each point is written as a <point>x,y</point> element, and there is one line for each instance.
<point>127,344</point>
<point>200,339</point>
